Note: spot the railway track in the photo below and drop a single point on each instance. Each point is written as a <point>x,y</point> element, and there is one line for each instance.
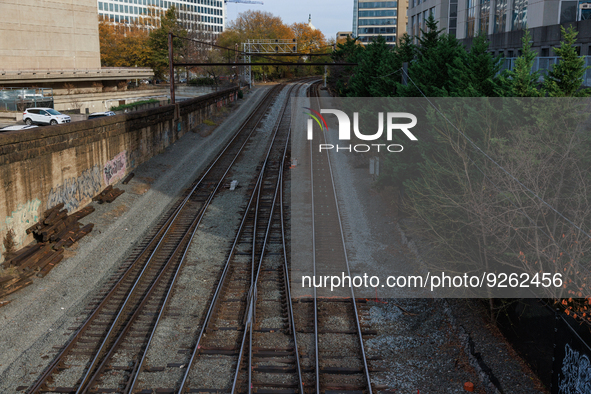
<point>230,330</point>
<point>341,365</point>
<point>122,321</point>
<point>246,338</point>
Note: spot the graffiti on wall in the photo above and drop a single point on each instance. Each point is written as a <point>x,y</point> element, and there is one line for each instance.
<point>75,190</point>
<point>576,373</point>
<point>115,169</point>
<point>21,219</point>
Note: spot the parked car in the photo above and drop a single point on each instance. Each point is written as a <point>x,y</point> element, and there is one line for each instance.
<point>18,127</point>
<point>101,114</point>
<point>44,116</point>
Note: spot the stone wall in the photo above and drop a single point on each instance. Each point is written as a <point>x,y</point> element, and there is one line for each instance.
<point>72,163</point>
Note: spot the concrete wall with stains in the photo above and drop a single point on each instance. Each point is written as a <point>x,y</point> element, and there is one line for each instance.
<point>72,163</point>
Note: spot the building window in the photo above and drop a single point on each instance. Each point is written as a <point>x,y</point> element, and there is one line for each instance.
<point>100,6</point>
<point>377,22</point>
<point>379,4</point>
<point>519,14</point>
<point>568,11</point>
<point>470,18</point>
<point>453,17</point>
<point>500,16</point>
<point>418,25</point>
<point>484,16</point>
<point>377,13</point>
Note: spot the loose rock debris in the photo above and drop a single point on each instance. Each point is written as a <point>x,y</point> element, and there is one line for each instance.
<point>54,232</point>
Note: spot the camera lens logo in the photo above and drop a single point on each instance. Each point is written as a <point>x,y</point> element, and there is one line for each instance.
<point>318,118</point>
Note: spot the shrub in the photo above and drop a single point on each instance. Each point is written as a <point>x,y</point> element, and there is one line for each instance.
<point>202,82</point>
<point>240,94</point>
<point>131,105</point>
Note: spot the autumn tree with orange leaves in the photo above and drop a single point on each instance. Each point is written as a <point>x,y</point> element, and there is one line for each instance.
<point>123,46</point>
<point>264,25</point>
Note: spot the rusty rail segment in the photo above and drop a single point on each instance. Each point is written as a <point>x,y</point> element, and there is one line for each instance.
<point>339,368</point>
<point>86,353</point>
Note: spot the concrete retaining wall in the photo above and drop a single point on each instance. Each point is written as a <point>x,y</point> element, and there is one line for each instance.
<point>72,163</point>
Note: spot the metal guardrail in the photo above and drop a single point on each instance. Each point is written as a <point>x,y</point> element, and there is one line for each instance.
<point>543,64</point>
<point>103,70</point>
<point>18,99</point>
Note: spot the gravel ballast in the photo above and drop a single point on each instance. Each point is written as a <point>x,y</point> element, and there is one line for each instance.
<point>43,315</point>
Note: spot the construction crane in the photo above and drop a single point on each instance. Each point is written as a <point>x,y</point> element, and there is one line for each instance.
<point>243,1</point>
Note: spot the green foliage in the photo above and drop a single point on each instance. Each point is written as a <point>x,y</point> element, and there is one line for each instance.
<point>429,73</point>
<point>348,52</point>
<point>474,73</point>
<point>566,77</point>
<point>521,81</point>
<point>406,50</point>
<point>240,94</point>
<point>377,64</point>
<point>158,42</point>
<point>133,105</point>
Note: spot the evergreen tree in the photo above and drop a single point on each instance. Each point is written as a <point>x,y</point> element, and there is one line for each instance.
<point>339,77</point>
<point>521,81</point>
<point>429,38</point>
<point>429,73</point>
<point>378,71</point>
<point>475,73</point>
<point>566,77</point>
<point>406,50</point>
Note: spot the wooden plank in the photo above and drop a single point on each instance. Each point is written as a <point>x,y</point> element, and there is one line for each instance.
<point>51,265</point>
<point>54,208</point>
<point>26,253</point>
<point>30,263</point>
<point>47,259</point>
<point>128,178</point>
<point>6,278</point>
<point>83,212</point>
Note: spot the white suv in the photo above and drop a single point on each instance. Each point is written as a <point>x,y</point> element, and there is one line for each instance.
<point>44,116</point>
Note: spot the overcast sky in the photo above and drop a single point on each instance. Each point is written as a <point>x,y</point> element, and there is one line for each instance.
<point>329,16</point>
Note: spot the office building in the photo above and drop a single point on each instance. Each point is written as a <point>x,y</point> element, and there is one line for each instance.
<point>504,21</point>
<point>379,18</point>
<point>202,15</point>
<point>342,36</point>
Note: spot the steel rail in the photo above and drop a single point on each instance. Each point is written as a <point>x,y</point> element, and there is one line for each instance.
<point>216,296</point>
<point>82,388</point>
<point>251,310</point>
<point>314,294</point>
<point>278,193</point>
<point>253,290</point>
<point>288,287</point>
<point>353,300</point>
<point>157,239</point>
<point>192,232</point>
<point>194,225</point>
